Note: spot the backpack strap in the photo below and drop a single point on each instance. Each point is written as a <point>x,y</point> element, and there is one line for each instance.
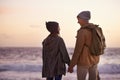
<point>92,28</point>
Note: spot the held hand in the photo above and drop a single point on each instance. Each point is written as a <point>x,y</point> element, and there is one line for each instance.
<point>70,69</point>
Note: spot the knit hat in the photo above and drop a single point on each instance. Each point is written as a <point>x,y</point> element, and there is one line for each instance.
<point>52,26</point>
<point>84,15</point>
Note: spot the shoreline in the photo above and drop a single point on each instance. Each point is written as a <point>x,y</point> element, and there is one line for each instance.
<point>12,75</point>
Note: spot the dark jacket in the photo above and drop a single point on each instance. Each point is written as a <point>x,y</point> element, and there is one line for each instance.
<point>54,56</point>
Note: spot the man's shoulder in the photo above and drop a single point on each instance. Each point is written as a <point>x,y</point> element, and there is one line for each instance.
<point>83,32</point>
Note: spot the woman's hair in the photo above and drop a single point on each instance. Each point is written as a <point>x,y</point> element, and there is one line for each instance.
<point>52,27</point>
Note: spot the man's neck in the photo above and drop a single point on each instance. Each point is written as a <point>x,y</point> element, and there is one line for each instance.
<point>84,24</point>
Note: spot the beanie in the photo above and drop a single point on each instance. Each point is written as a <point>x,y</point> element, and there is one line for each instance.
<point>52,26</point>
<point>84,15</point>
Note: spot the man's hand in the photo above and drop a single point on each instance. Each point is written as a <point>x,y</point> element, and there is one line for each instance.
<point>70,69</point>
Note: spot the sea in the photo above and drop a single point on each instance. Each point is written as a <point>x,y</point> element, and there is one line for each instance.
<point>25,63</point>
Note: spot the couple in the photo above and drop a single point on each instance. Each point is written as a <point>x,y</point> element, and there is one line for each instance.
<point>55,54</point>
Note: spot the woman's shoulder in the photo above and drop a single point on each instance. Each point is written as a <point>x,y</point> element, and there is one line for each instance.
<point>59,38</point>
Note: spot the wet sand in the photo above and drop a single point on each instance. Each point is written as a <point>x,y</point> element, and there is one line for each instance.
<point>11,75</point>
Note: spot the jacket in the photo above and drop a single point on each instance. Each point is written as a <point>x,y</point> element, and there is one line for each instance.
<point>82,55</point>
<point>54,56</point>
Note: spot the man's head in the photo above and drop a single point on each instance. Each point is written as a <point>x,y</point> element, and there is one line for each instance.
<point>52,27</point>
<point>83,17</point>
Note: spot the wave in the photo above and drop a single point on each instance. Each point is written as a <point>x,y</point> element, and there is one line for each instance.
<point>109,68</point>
<point>104,69</point>
<point>21,68</point>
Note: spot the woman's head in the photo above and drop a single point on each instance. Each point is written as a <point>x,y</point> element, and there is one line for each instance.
<point>53,27</point>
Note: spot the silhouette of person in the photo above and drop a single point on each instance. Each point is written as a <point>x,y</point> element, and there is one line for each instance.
<point>54,54</point>
<point>85,61</point>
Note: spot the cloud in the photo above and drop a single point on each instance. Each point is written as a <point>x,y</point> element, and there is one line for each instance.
<point>5,39</point>
<point>11,10</point>
<point>4,36</point>
<point>5,10</point>
<point>34,26</point>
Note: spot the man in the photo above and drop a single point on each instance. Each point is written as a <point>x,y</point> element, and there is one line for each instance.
<point>86,63</point>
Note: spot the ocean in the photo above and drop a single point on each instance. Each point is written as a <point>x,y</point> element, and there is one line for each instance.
<point>25,63</point>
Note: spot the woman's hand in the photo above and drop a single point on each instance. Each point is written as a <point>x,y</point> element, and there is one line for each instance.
<point>70,69</point>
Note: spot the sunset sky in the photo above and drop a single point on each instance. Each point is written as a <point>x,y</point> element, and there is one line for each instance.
<point>22,22</point>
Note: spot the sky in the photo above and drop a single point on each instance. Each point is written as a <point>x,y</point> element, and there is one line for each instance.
<point>22,22</point>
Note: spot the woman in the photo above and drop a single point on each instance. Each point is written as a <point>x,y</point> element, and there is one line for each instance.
<point>54,53</point>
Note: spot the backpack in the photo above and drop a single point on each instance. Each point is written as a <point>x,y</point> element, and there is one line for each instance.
<point>98,40</point>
